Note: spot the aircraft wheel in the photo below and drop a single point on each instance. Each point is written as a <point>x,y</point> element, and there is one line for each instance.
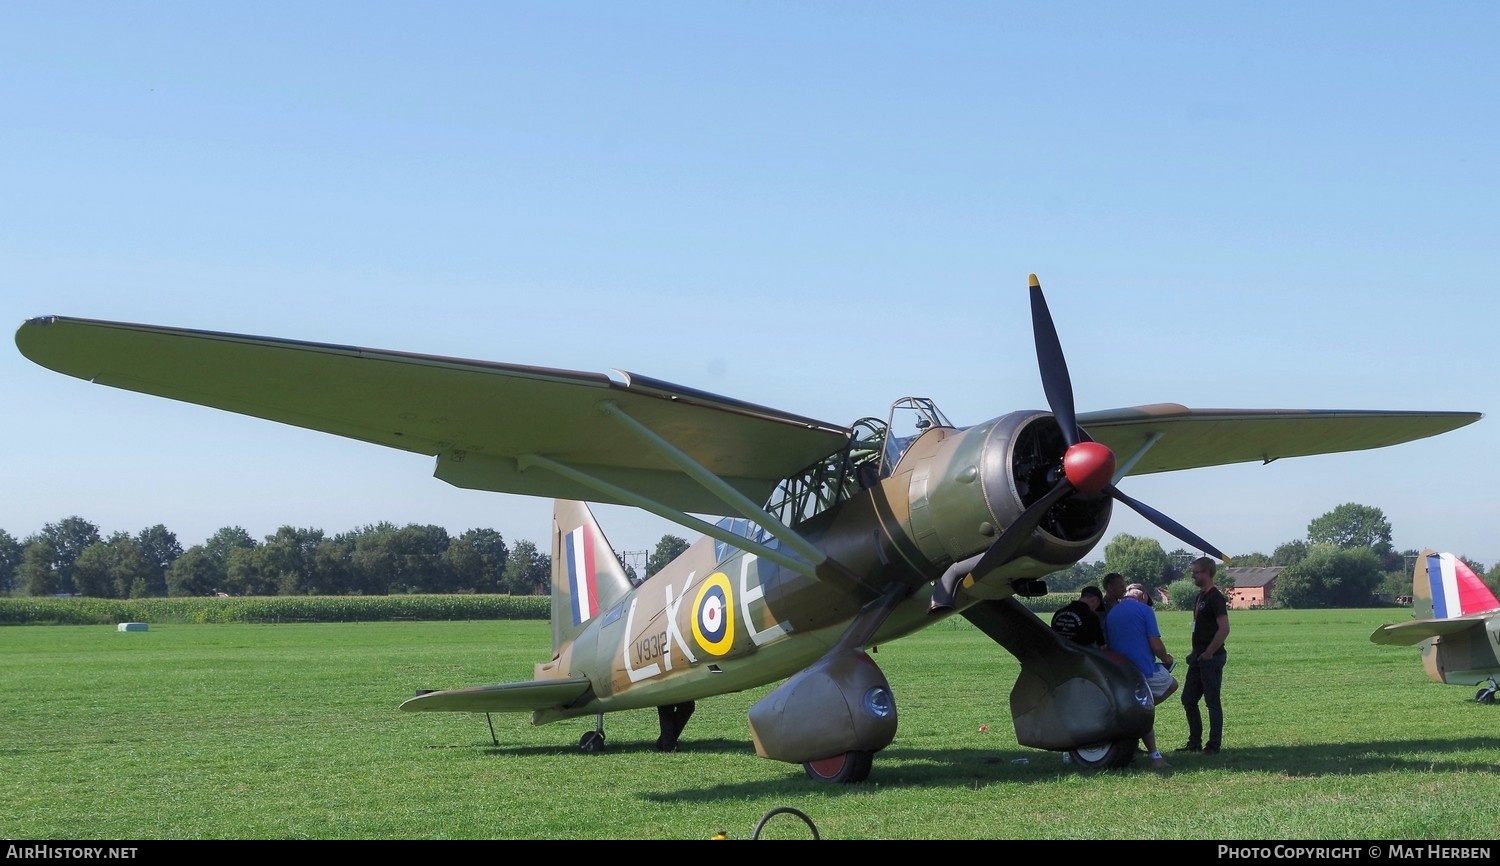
<point>1104,756</point>
<point>1485,696</point>
<point>591,741</point>
<point>848,768</point>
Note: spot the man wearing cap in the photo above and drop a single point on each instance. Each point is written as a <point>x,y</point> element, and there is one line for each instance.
<point>1133,633</point>
<point>1078,620</point>
<point>1145,595</point>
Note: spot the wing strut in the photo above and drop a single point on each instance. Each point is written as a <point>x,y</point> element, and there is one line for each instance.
<point>716,485</point>
<point>1123,469</point>
<point>672,514</point>
<point>738,504</point>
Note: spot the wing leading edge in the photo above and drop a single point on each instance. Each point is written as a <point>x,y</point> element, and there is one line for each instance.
<point>1166,437</point>
<point>491,426</point>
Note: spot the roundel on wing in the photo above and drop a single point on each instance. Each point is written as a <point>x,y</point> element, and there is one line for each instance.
<point>713,615</point>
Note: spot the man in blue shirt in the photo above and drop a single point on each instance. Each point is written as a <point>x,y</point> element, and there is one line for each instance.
<point>1133,633</point>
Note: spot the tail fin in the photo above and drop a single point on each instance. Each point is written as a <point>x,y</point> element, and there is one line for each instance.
<point>587,577</point>
<point>1444,587</point>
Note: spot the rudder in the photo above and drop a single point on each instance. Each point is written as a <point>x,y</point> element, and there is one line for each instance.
<point>587,577</point>
<point>1444,587</point>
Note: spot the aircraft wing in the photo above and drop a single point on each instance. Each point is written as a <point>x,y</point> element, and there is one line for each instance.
<point>1192,438</point>
<point>508,697</point>
<point>484,422</point>
<point>1418,630</point>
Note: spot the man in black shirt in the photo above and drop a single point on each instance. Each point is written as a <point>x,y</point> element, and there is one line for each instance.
<point>1205,677</point>
<point>1079,619</point>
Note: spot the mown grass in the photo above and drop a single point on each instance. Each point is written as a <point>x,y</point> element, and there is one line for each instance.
<point>291,731</point>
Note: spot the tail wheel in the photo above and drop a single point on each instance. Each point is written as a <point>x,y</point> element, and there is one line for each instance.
<point>1105,756</point>
<point>848,768</point>
<point>591,741</point>
<point>1485,696</point>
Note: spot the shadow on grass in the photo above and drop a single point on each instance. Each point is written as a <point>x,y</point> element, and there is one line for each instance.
<point>611,747</point>
<point>898,768</point>
<point>911,768</point>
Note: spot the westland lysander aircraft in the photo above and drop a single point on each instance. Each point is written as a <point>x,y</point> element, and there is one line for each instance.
<point>1457,622</point>
<point>833,539</point>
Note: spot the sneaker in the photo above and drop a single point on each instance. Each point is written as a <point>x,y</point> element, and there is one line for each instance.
<point>1210,750</point>
<point>1190,747</point>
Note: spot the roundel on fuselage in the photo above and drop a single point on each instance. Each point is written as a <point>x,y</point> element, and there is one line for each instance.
<point>713,615</point>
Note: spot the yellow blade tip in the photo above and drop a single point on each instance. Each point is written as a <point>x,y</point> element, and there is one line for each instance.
<point>1035,283</point>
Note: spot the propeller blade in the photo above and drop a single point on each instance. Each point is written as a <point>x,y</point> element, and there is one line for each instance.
<point>1167,523</point>
<point>1087,468</point>
<point>1054,367</point>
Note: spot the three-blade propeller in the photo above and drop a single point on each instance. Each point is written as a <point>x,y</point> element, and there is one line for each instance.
<point>1088,468</point>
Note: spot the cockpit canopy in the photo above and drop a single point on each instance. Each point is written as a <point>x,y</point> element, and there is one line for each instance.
<point>874,449</point>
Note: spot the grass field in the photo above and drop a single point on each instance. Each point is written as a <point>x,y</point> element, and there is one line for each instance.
<point>292,732</point>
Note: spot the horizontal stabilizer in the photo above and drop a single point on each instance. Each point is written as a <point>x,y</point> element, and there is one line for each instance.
<point>1416,631</point>
<point>505,698</point>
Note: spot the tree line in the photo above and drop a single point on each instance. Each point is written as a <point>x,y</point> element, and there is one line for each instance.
<point>70,557</point>
<point>1346,560</point>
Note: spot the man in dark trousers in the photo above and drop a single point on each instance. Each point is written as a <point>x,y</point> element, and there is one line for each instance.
<point>1078,620</point>
<point>1205,676</point>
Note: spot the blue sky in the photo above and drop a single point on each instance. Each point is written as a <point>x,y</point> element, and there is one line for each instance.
<point>820,207</point>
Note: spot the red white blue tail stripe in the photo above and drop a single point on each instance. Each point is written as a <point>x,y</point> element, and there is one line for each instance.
<point>1456,589</point>
<point>579,546</point>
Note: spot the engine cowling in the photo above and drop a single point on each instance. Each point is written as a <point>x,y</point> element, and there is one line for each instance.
<point>966,487</point>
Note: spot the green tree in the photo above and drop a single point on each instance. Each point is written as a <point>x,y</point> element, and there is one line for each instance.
<point>251,571</point>
<point>1251,560</point>
<point>374,558</point>
<point>1141,560</point>
<point>91,572</point>
<point>333,566</point>
<point>211,573</point>
<point>527,572</point>
<point>286,560</point>
<point>1075,577</point>
<point>160,547</point>
<point>115,568</point>
<point>476,560</point>
<point>10,563</point>
<point>1330,576</point>
<point>667,549</point>
<point>630,572</point>
<point>1289,553</point>
<point>69,538</point>
<point>1492,579</point>
<point>133,574</point>
<point>424,568</point>
<point>227,539</point>
<point>1352,526</point>
<point>195,573</point>
<point>37,573</point>
<point>389,560</point>
<point>1183,593</point>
